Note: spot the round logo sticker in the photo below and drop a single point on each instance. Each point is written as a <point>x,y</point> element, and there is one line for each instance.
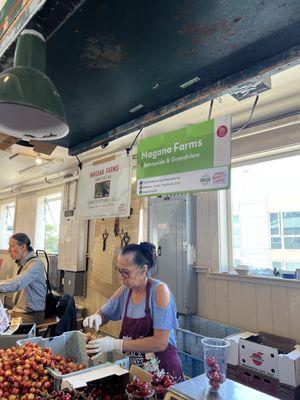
<point>257,358</point>
<point>205,179</point>
<point>222,131</point>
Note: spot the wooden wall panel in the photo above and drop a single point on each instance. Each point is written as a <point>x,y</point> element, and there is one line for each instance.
<point>264,308</point>
<point>294,313</point>
<point>201,293</point>
<point>210,299</point>
<point>261,305</point>
<point>249,312</point>
<point>280,306</point>
<point>235,311</point>
<point>222,311</point>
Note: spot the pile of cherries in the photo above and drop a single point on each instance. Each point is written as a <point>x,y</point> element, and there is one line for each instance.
<point>162,383</point>
<point>24,371</point>
<point>107,389</point>
<point>214,374</point>
<point>65,394</point>
<point>138,390</point>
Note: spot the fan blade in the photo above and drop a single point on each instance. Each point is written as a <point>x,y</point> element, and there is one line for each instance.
<point>43,147</point>
<point>6,141</point>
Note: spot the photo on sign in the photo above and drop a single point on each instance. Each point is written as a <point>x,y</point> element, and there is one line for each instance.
<point>102,189</point>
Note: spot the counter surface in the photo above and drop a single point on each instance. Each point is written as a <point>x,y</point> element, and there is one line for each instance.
<point>197,389</point>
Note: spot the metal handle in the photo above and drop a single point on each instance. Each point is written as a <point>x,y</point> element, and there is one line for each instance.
<point>159,251</point>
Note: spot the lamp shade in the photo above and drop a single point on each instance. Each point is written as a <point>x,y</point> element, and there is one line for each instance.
<point>30,105</point>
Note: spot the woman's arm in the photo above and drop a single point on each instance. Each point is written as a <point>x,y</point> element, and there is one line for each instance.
<point>160,339</point>
<point>21,281</point>
<point>110,310</point>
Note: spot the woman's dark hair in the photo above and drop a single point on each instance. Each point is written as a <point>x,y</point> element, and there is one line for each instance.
<point>22,238</point>
<point>144,253</point>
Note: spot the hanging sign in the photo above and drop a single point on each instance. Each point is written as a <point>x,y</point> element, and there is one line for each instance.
<point>191,159</point>
<point>14,16</point>
<point>104,188</point>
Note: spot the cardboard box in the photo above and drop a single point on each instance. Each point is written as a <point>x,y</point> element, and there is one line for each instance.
<point>81,380</point>
<point>234,340</point>
<point>272,355</point>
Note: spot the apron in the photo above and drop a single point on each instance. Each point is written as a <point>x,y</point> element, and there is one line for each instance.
<point>137,328</point>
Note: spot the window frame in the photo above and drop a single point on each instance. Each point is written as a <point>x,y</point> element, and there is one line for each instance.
<point>240,162</point>
<point>42,203</point>
<point>2,205</point>
<point>281,234</point>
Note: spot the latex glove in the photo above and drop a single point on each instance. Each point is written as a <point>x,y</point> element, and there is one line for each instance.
<point>93,321</point>
<point>99,346</point>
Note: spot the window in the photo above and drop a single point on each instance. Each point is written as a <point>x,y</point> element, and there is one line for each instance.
<point>285,230</point>
<point>277,264</point>
<point>265,214</point>
<point>47,223</point>
<point>7,217</point>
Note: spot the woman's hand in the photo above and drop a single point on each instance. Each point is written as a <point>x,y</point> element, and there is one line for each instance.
<point>93,321</point>
<point>103,345</point>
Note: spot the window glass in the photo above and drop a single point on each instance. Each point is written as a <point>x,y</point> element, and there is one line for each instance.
<point>265,213</point>
<point>277,264</point>
<point>291,223</point>
<point>292,265</point>
<point>274,224</point>
<point>7,217</point>
<point>236,231</point>
<point>292,242</point>
<point>276,243</point>
<point>47,223</point>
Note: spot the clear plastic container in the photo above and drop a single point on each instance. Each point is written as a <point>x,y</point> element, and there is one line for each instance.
<point>134,396</point>
<point>215,361</point>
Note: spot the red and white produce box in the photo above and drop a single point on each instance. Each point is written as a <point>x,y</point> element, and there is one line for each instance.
<point>265,359</point>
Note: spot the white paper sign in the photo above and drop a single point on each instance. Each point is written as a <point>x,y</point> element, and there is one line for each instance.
<point>105,188</point>
<point>4,321</point>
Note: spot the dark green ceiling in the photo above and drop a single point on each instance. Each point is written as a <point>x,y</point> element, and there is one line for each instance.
<point>111,56</point>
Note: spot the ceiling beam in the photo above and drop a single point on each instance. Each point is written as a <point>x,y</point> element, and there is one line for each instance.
<point>225,86</point>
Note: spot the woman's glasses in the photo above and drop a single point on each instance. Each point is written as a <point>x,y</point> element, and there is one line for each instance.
<point>124,273</point>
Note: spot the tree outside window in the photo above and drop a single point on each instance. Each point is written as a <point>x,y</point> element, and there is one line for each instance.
<point>47,224</point>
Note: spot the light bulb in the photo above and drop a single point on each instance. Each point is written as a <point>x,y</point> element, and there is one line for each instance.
<point>38,160</point>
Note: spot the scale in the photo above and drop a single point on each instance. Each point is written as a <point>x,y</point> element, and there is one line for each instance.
<point>197,389</point>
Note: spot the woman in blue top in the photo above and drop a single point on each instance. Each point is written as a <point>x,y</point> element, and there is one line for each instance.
<point>148,312</point>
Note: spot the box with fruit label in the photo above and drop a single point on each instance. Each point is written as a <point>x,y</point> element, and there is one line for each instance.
<point>272,355</point>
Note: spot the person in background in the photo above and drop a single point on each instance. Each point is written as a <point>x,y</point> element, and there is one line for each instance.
<point>29,285</point>
<point>148,312</point>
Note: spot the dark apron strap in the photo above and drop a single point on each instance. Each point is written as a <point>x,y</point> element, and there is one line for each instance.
<point>22,266</point>
<point>147,308</point>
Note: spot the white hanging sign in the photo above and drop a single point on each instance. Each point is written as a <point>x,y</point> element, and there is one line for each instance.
<point>105,188</point>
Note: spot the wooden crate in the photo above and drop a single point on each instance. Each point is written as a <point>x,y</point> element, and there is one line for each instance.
<point>263,383</point>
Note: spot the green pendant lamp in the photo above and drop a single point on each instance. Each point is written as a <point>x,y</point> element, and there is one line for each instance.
<point>30,106</point>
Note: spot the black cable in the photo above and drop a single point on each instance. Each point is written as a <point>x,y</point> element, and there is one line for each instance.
<point>79,163</point>
<point>128,149</point>
<point>250,117</point>
<point>210,109</point>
